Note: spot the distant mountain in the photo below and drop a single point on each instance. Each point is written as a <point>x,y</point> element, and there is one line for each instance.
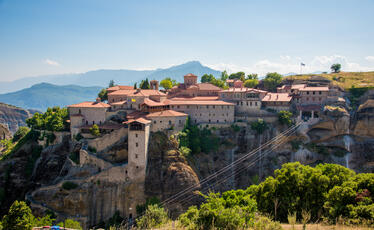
<point>44,95</point>
<point>102,77</point>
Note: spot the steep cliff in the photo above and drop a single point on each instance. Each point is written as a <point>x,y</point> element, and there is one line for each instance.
<point>14,117</point>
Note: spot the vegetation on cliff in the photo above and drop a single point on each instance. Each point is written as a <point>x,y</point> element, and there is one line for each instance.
<point>54,119</point>
<point>20,217</point>
<point>325,192</point>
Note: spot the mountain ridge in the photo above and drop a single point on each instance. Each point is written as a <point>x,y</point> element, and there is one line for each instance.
<point>101,77</point>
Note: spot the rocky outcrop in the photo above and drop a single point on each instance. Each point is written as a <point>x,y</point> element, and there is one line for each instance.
<point>13,117</point>
<point>4,132</point>
<point>364,120</point>
<point>169,173</point>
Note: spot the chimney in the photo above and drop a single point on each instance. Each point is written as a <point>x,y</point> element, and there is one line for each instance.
<point>138,90</point>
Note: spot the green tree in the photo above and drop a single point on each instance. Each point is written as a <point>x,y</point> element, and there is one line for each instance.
<point>224,76</point>
<point>19,217</point>
<point>135,87</point>
<point>259,126</point>
<point>252,76</point>
<point>271,81</point>
<point>69,223</point>
<point>144,84</point>
<point>238,75</point>
<point>103,95</point>
<point>284,117</point>
<point>207,78</point>
<point>251,83</point>
<point>166,84</point>
<point>94,130</point>
<point>111,83</point>
<point>43,221</point>
<point>154,217</point>
<point>21,132</point>
<point>336,67</point>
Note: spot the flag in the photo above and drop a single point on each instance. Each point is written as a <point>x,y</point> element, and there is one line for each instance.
<point>133,100</point>
<point>302,64</point>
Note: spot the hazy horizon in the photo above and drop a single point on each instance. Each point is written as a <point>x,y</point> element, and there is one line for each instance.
<point>47,38</point>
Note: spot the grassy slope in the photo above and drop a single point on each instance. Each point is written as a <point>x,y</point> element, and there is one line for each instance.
<point>344,79</point>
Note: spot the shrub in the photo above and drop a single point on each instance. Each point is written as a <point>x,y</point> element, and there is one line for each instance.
<point>54,119</point>
<point>265,223</point>
<point>284,118</point>
<point>259,126</point>
<point>78,137</point>
<point>74,156</point>
<point>154,217</point>
<point>141,208</point>
<point>94,130</point>
<point>21,132</point>
<point>236,128</point>
<point>19,217</point>
<point>69,223</point>
<point>91,149</point>
<point>68,185</point>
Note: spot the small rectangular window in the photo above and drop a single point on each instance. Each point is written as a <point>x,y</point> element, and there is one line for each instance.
<point>136,144</point>
<point>136,155</point>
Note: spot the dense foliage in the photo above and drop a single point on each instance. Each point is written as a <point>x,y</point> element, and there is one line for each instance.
<point>231,210</point>
<point>251,83</point>
<point>209,78</point>
<point>21,132</point>
<point>20,217</point>
<point>271,81</point>
<point>198,140</point>
<point>259,126</point>
<point>238,75</point>
<point>54,119</point>
<point>284,117</point>
<point>336,67</point>
<point>103,95</point>
<point>94,130</point>
<point>154,217</point>
<point>144,84</point>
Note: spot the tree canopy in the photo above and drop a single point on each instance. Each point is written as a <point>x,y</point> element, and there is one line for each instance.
<point>251,83</point>
<point>19,217</point>
<point>224,76</point>
<point>103,95</point>
<point>252,76</point>
<point>336,67</point>
<point>21,132</point>
<point>144,84</point>
<point>238,75</point>
<point>54,119</point>
<point>271,81</point>
<point>166,83</point>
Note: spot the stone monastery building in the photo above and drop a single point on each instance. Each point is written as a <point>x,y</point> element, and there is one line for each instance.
<point>150,110</point>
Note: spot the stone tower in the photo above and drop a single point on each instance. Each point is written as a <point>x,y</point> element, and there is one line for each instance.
<point>190,79</point>
<point>154,84</point>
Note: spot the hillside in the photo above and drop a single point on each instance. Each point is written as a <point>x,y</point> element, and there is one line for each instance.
<point>44,95</point>
<point>102,77</point>
<point>13,117</point>
<point>343,79</point>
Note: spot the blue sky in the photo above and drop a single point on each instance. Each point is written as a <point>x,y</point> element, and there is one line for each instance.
<point>49,37</point>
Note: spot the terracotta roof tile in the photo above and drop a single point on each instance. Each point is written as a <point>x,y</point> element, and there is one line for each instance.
<point>122,92</point>
<point>311,88</point>
<point>150,102</point>
<point>119,103</point>
<point>167,113</point>
<point>192,102</point>
<point>146,93</point>
<point>282,97</point>
<point>90,104</point>
<point>198,98</point>
<point>120,87</point>
<point>208,86</point>
<point>190,75</point>
<point>140,120</point>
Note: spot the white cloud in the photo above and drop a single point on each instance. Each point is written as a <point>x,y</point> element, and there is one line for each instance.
<point>51,62</point>
<point>287,64</point>
<point>370,58</point>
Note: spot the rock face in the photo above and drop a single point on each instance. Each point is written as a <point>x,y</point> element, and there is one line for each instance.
<point>364,120</point>
<point>169,173</point>
<point>4,132</point>
<point>13,117</point>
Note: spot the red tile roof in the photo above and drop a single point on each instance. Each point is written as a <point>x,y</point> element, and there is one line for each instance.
<point>190,75</point>
<point>120,87</point>
<point>167,113</point>
<point>283,97</point>
<point>146,93</point>
<point>135,115</point>
<point>90,104</point>
<point>140,120</point>
<point>150,102</point>
<point>244,89</point>
<point>208,86</point>
<point>122,92</point>
<point>119,103</point>
<point>193,102</point>
<point>199,98</point>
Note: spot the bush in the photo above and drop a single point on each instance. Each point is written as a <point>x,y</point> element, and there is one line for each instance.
<point>74,156</point>
<point>259,126</point>
<point>21,132</point>
<point>94,130</point>
<point>284,117</point>
<point>265,223</point>
<point>154,217</point>
<point>19,217</point>
<point>54,119</point>
<point>69,223</point>
<point>141,208</point>
<point>78,137</point>
<point>235,128</point>
<point>91,149</point>
<point>68,185</point>
<point>232,210</point>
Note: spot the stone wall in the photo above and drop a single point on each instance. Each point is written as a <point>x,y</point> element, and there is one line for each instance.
<point>103,142</point>
<point>165,123</point>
